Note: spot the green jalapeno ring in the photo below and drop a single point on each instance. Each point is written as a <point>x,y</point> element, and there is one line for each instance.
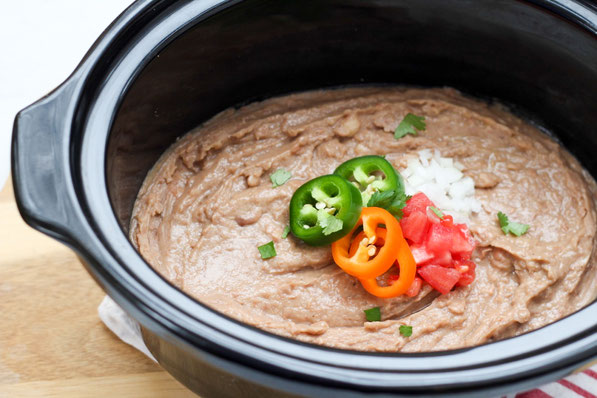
<point>364,172</point>
<point>329,194</point>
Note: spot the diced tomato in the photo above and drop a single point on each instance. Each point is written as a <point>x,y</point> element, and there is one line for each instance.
<point>419,202</point>
<point>461,256</point>
<point>461,242</point>
<point>462,227</point>
<point>467,233</point>
<point>441,249</point>
<point>440,278</point>
<point>466,279</point>
<point>463,266</point>
<point>448,221</point>
<point>432,217</point>
<point>414,226</point>
<point>439,238</point>
<point>420,254</point>
<point>415,287</point>
<point>443,258</point>
<point>467,272</point>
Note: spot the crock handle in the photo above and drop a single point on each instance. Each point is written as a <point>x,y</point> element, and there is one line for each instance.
<point>40,164</point>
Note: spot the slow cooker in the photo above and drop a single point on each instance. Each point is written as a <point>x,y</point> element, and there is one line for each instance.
<point>81,153</point>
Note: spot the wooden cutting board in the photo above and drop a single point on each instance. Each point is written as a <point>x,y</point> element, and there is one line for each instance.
<point>52,342</point>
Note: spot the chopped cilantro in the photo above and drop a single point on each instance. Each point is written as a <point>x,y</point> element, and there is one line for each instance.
<point>373,314</point>
<point>381,199</point>
<point>406,330</point>
<point>329,223</point>
<point>410,125</point>
<point>279,177</point>
<point>286,231</point>
<point>392,201</point>
<point>437,212</point>
<point>267,251</point>
<point>512,227</point>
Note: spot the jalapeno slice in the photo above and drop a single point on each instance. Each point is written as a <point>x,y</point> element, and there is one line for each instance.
<point>324,209</point>
<point>371,174</point>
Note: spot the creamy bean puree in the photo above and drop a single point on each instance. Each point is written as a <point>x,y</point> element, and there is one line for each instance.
<point>208,204</point>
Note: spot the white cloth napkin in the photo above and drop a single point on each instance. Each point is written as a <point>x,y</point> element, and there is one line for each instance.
<point>582,384</point>
<point>122,325</point>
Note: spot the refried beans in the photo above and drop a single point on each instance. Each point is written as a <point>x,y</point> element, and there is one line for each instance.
<point>208,203</point>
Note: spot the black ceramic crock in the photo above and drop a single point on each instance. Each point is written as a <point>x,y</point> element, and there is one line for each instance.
<point>163,67</point>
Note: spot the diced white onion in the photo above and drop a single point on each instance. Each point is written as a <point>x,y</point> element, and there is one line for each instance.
<point>442,180</point>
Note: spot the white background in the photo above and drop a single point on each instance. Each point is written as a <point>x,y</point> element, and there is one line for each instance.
<point>41,43</point>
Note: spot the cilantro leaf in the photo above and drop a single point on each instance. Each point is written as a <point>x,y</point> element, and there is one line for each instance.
<point>406,330</point>
<point>279,177</point>
<point>373,314</point>
<point>437,212</point>
<point>392,201</point>
<point>410,125</point>
<point>329,223</point>
<point>267,251</point>
<point>398,204</point>
<point>503,219</point>
<point>285,232</point>
<point>381,199</point>
<point>512,227</point>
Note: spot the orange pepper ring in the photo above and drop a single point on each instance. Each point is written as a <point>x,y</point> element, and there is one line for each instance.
<point>407,267</point>
<point>380,241</point>
<point>408,271</point>
<point>359,264</point>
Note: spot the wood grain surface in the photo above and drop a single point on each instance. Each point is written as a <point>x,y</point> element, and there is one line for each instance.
<point>52,342</point>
